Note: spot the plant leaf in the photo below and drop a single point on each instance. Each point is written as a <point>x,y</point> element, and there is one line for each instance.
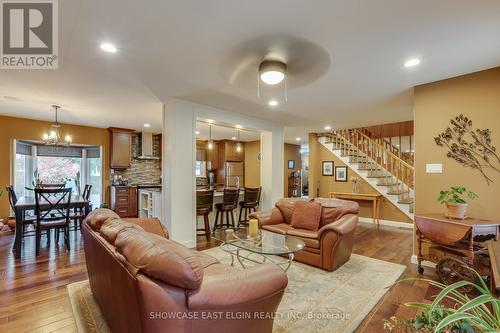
<point>462,316</point>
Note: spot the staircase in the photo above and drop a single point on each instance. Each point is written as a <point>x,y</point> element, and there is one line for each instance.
<point>386,172</point>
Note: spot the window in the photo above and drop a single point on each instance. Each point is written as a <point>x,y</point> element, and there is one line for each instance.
<point>59,170</point>
<point>22,174</point>
<point>201,169</point>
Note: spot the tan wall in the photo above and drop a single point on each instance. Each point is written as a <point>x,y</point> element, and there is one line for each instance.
<point>477,96</point>
<point>328,184</point>
<point>291,152</point>
<point>27,129</point>
<point>252,164</point>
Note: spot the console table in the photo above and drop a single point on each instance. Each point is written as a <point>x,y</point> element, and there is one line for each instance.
<point>494,253</point>
<point>374,198</point>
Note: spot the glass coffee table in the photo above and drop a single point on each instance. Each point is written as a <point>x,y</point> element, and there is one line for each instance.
<point>239,244</point>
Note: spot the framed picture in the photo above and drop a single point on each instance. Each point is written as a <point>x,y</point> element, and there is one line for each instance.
<point>327,167</point>
<point>291,164</point>
<point>341,174</point>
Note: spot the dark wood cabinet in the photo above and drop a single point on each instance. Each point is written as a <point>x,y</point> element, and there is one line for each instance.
<point>120,147</point>
<point>124,200</point>
<point>228,152</point>
<point>213,157</point>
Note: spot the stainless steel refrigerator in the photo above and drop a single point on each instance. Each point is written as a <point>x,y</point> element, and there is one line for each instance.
<point>234,174</point>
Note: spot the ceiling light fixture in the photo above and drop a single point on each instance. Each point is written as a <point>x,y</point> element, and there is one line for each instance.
<point>272,72</point>
<point>108,47</point>
<point>297,139</point>
<point>233,138</point>
<point>52,137</point>
<point>210,141</point>
<point>147,125</point>
<point>238,144</point>
<point>328,127</point>
<point>273,102</point>
<point>197,132</point>
<point>412,62</point>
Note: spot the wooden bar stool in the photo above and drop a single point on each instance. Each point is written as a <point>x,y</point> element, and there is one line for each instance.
<point>204,206</point>
<point>228,204</point>
<point>250,202</point>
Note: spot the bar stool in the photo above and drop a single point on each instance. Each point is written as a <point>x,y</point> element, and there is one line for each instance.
<point>228,204</point>
<point>250,202</point>
<point>204,206</point>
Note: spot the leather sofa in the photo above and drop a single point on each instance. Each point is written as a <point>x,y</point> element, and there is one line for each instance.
<point>144,282</point>
<point>330,246</point>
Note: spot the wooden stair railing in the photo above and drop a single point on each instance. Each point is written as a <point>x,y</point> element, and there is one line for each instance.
<point>407,157</point>
<point>398,174</point>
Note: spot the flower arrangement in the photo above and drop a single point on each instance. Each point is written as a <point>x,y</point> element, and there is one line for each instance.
<point>355,185</point>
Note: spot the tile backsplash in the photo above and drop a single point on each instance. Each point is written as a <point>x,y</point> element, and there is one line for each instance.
<point>142,171</point>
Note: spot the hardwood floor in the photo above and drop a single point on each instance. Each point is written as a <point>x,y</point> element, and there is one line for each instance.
<point>33,295</point>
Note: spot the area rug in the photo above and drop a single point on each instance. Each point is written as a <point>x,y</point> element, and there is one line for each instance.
<point>314,300</point>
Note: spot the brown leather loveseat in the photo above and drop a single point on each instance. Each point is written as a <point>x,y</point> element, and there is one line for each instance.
<point>144,282</point>
<point>328,247</point>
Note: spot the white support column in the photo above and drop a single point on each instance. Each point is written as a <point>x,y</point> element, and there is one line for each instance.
<point>178,173</point>
<point>271,166</point>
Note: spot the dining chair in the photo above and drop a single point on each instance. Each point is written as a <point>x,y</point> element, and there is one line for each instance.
<point>251,199</point>
<point>204,206</point>
<point>52,212</point>
<point>79,213</point>
<point>51,185</point>
<point>27,219</point>
<point>228,205</point>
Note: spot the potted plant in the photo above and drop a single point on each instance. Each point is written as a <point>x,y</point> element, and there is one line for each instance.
<point>469,315</point>
<point>455,202</point>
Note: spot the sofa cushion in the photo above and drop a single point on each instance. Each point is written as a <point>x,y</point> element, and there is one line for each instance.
<point>160,258</point>
<point>112,227</point>
<point>306,215</point>
<point>152,225</point>
<point>97,217</point>
<point>334,209</point>
<point>205,259</point>
<point>287,206</point>
<point>281,228</point>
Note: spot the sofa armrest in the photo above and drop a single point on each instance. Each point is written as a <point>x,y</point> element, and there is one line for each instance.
<point>222,291</point>
<point>268,217</point>
<point>343,226</point>
<point>152,225</point>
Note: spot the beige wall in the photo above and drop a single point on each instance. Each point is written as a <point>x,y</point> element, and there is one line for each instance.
<point>27,129</point>
<point>328,184</point>
<point>477,96</point>
<point>252,164</point>
<point>291,152</point>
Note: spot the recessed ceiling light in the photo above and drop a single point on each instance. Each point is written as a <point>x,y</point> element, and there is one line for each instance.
<point>147,125</point>
<point>328,127</point>
<point>233,138</point>
<point>273,102</point>
<point>210,121</point>
<point>412,62</point>
<point>197,132</point>
<point>238,126</point>
<point>297,139</point>
<point>108,47</point>
<point>12,98</point>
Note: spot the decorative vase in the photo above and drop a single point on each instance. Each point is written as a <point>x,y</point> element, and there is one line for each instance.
<point>456,210</point>
<point>12,224</point>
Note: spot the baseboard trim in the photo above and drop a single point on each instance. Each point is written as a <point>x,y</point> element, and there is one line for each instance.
<point>388,223</point>
<point>425,263</point>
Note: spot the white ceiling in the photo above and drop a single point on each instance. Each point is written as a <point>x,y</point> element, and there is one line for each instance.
<point>345,58</point>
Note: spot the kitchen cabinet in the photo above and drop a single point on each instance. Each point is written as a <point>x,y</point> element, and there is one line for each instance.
<point>120,147</point>
<point>227,152</point>
<point>213,157</point>
<point>124,200</point>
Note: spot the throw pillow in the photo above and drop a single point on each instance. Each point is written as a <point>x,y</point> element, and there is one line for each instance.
<point>306,215</point>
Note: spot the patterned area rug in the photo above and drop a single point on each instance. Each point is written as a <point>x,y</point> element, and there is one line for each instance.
<point>314,301</point>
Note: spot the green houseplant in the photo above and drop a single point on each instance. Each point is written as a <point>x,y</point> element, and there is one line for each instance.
<point>454,198</point>
<point>469,315</point>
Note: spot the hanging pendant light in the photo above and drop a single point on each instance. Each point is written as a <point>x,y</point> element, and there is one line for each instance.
<point>53,137</point>
<point>210,141</point>
<point>238,144</point>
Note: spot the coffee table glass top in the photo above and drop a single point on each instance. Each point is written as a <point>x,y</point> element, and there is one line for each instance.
<point>267,243</point>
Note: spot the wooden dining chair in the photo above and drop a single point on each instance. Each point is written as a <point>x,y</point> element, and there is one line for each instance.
<point>52,209</point>
<point>27,219</point>
<point>228,205</point>
<point>51,185</point>
<point>204,206</point>
<point>78,214</point>
<point>251,199</point>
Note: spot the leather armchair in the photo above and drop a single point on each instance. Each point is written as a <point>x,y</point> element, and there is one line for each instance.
<point>143,282</point>
<point>330,246</point>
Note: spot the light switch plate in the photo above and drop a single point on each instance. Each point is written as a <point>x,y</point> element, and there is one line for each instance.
<point>434,168</point>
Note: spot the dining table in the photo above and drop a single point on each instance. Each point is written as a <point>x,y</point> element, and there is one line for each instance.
<point>27,203</point>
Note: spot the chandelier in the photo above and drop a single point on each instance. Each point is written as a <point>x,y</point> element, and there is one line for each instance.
<point>53,137</point>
